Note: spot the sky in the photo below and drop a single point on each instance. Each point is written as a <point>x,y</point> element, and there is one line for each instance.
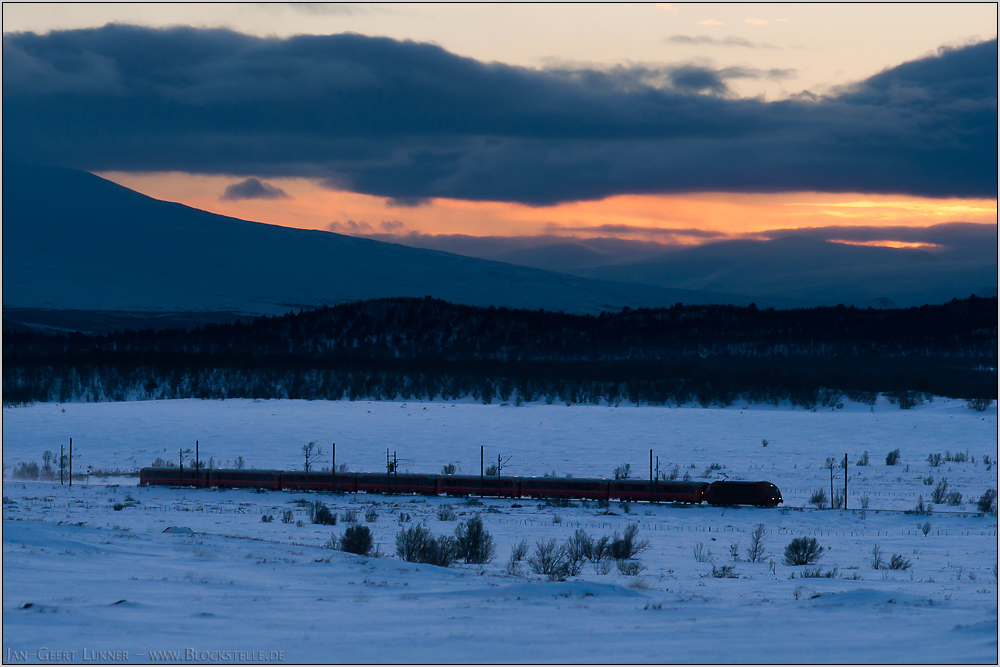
<point>673,123</point>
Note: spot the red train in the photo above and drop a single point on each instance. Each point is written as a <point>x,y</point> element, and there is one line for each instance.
<point>717,493</point>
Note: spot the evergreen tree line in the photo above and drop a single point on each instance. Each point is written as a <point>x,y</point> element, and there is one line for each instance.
<point>425,348</point>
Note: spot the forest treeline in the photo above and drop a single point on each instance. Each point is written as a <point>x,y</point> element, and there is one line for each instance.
<point>427,348</point>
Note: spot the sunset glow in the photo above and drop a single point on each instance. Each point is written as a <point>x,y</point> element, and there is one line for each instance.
<point>675,219</point>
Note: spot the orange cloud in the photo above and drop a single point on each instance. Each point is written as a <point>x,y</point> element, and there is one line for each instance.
<point>683,219</point>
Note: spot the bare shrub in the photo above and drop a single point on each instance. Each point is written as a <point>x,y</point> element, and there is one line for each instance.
<point>518,552</point>
<point>371,515</point>
<point>287,516</point>
<point>816,573</point>
<point>25,471</point>
<point>623,471</point>
<point>897,562</point>
<point>349,516</point>
<point>321,514</point>
<point>473,542</point>
<point>491,470</point>
<point>802,551</point>
<point>627,546</point>
<point>892,458</point>
<point>724,572</point>
<point>921,509</point>
<point>265,518</point>
<point>924,527</point>
<point>448,469</point>
<point>702,554</point>
<point>357,540</point>
<point>549,559</point>
<point>630,568</point>
<point>940,492</point>
<point>734,552</point>
<point>987,503</point>
<point>863,461</point>
<point>556,520</point>
<point>579,549</point>
<point>979,404</point>
<point>757,552</point>
<point>934,460</point>
<point>819,499</point>
<point>838,500</point>
<point>877,562</point>
<point>416,544</point>
<point>954,498</point>
<point>446,513</point>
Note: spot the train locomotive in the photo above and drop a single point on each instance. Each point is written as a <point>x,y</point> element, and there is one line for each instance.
<point>723,492</point>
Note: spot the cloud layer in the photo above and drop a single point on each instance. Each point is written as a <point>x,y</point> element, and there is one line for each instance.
<point>253,188</point>
<point>411,121</point>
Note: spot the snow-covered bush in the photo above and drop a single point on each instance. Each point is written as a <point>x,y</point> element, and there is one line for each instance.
<point>446,513</point>
<point>940,492</point>
<point>371,515</point>
<point>579,549</point>
<point>623,471</point>
<point>448,469</point>
<point>802,551</point>
<point>818,498</point>
<point>287,516</point>
<point>724,572</point>
<point>473,542</point>
<point>892,458</point>
<point>349,516</point>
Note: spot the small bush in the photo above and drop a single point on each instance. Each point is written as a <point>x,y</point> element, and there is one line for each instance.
<point>724,572</point>
<point>954,498</point>
<point>802,551</point>
<point>897,562</point>
<point>838,500</point>
<point>473,542</point>
<point>629,568</point>
<point>448,469</point>
<point>921,509</point>
<point>877,562</point>
<point>556,520</point>
<point>357,540</point>
<point>371,515</point>
<point>446,513</point>
<point>980,404</point>
<point>549,559</point>
<point>26,471</point>
<point>416,544</point>
<point>491,470</point>
<point>579,549</point>
<point>404,517</point>
<point>934,460</point>
<point>924,527</point>
<point>757,552</point>
<point>863,461</point>
<point>627,546</point>
<point>267,518</point>
<point>734,552</point>
<point>321,514</point>
<point>118,507</point>
<point>892,458</point>
<point>816,573</point>
<point>987,503</point>
<point>819,499</point>
<point>928,481</point>
<point>701,554</point>
<point>287,516</point>
<point>518,552</point>
<point>349,516</point>
<point>940,492</point>
<point>623,471</point>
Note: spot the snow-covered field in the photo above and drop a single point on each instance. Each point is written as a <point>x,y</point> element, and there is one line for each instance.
<point>79,575</point>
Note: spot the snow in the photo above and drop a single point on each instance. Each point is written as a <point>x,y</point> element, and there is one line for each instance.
<point>80,575</point>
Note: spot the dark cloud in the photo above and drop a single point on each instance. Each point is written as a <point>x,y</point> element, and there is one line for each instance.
<point>950,236</point>
<point>352,227</point>
<point>705,40</point>
<point>646,230</point>
<point>253,188</point>
<point>410,122</point>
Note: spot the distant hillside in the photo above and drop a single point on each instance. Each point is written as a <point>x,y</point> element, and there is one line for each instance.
<point>426,347</point>
<point>73,241</point>
<point>817,272</point>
